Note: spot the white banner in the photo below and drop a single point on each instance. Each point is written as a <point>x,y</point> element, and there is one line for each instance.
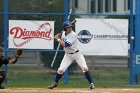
<point>29,34</point>
<point>103,36</point>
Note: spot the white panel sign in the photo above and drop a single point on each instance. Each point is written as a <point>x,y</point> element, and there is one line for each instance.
<point>29,34</point>
<point>137,59</point>
<point>103,36</point>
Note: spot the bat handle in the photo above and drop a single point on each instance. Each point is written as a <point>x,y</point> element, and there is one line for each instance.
<point>73,21</point>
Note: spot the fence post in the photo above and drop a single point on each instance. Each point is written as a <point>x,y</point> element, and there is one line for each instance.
<point>66,8</point>
<point>5,33</point>
<point>131,42</point>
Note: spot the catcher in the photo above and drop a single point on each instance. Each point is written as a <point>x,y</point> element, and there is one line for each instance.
<point>7,61</point>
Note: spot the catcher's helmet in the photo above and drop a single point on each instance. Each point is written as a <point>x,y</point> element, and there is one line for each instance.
<point>67,24</point>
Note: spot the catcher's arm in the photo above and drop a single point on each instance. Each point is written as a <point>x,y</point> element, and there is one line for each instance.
<point>18,53</point>
<point>16,56</point>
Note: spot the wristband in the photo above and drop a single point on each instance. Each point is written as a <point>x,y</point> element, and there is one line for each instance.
<point>58,40</point>
<point>14,60</point>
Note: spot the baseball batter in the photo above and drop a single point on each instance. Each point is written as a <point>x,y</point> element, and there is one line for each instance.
<point>68,39</point>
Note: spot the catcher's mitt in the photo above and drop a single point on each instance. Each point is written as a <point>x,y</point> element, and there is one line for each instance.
<point>18,53</point>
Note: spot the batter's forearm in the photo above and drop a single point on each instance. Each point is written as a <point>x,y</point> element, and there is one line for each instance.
<point>57,37</point>
<point>61,42</point>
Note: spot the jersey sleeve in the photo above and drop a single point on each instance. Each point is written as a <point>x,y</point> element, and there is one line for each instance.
<point>70,40</point>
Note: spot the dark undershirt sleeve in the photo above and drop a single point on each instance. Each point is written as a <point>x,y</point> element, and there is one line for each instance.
<point>3,61</point>
<point>67,44</point>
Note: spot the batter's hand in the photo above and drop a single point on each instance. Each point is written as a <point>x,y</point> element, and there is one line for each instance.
<point>57,36</point>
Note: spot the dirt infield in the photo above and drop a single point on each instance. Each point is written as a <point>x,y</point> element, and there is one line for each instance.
<point>70,90</point>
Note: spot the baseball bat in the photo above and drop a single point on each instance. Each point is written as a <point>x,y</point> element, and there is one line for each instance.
<point>52,63</point>
<point>73,21</point>
<point>55,56</point>
<point>69,14</point>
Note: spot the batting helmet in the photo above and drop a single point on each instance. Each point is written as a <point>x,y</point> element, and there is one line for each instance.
<point>67,24</point>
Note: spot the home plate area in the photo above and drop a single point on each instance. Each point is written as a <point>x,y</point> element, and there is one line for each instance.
<point>70,90</point>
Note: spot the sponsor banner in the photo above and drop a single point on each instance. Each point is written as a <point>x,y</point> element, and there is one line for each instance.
<point>29,34</point>
<point>103,36</point>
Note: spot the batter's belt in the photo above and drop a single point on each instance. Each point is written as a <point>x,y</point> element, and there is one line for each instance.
<point>74,52</point>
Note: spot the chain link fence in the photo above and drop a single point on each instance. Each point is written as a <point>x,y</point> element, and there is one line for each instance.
<point>54,10</point>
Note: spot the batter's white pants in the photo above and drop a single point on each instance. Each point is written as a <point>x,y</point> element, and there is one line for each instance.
<point>69,58</point>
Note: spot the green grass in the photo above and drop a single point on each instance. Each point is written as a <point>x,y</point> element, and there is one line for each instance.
<point>34,77</point>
